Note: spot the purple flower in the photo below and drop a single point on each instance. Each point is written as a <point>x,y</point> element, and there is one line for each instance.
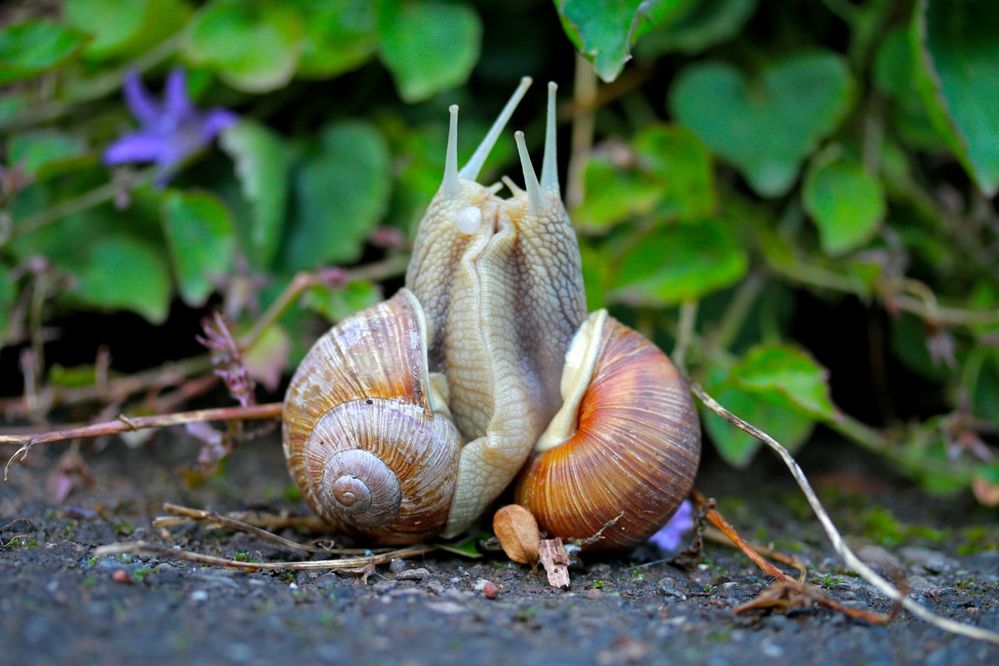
<point>170,132</point>
<point>674,533</point>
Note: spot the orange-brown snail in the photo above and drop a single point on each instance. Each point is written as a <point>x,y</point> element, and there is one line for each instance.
<point>408,419</point>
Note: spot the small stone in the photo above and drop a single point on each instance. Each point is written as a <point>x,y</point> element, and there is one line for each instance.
<point>121,576</point>
<point>398,565</point>
<point>490,590</point>
<point>199,596</point>
<point>413,574</point>
<point>446,607</point>
<point>928,560</point>
<point>667,587</point>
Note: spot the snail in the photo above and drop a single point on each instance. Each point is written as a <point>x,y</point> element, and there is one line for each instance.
<point>407,420</point>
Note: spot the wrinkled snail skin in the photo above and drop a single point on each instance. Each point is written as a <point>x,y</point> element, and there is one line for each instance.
<point>501,284</point>
<point>627,455</point>
<point>408,419</point>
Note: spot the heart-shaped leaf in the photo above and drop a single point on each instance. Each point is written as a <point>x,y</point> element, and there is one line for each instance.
<point>129,274</point>
<point>846,203</point>
<point>341,191</point>
<point>263,164</point>
<point>428,46</point>
<point>201,237</point>
<point>765,127</point>
<point>680,262</point>
<point>958,74</point>
<point>604,30</point>
<point>45,153</point>
<point>33,47</point>
<point>120,28</point>
<point>789,371</point>
<point>252,47</point>
<point>768,410</point>
<point>338,36</point>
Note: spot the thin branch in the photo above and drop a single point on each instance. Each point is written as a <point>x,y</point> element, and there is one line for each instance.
<point>218,520</point>
<point>379,270</point>
<point>584,94</point>
<point>351,564</point>
<point>835,538</point>
<point>688,321</point>
<point>126,424</point>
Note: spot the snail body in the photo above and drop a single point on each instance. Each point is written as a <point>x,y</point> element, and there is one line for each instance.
<point>489,350</point>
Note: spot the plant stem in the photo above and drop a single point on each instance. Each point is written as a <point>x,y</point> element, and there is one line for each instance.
<point>688,320</point>
<point>736,312</point>
<point>835,538</point>
<point>127,424</point>
<point>584,95</point>
<point>380,270</point>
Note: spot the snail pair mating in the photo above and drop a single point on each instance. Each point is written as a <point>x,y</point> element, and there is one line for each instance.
<point>407,420</point>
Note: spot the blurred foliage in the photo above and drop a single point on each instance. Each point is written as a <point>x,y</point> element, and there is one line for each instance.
<point>747,157</point>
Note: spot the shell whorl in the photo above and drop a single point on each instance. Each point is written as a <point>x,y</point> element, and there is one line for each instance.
<point>361,437</point>
<point>632,456</point>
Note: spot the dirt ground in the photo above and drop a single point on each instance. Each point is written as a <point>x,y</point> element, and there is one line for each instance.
<point>61,604</point>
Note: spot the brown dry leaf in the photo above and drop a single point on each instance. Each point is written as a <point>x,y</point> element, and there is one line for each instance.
<point>517,531</point>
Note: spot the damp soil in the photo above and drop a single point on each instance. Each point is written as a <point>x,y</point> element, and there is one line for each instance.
<point>61,604</point>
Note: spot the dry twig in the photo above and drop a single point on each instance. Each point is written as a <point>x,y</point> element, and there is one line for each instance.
<point>348,564</point>
<point>836,539</point>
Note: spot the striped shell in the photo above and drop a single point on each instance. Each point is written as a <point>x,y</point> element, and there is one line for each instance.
<point>633,454</point>
<point>361,437</point>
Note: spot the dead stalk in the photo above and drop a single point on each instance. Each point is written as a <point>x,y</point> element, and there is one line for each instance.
<point>835,538</point>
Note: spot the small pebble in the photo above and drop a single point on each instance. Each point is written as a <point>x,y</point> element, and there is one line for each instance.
<point>398,565</point>
<point>413,574</point>
<point>199,595</point>
<point>490,590</point>
<point>121,576</point>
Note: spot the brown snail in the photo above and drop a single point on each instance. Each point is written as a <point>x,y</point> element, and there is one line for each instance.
<point>408,419</point>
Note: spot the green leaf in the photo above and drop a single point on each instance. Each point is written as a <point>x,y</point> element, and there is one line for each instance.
<point>789,371</point>
<point>338,304</point>
<point>595,275</point>
<point>339,36</point>
<point>341,192</point>
<point>34,47</point>
<point>679,262</point>
<point>697,26</point>
<point>894,74</point>
<point>123,28</point>
<point>127,274</point>
<point>428,46</point>
<point>767,410</point>
<point>958,75</point>
<point>671,176</point>
<point>604,30</point>
<point>201,238</point>
<point>263,165</point>
<point>682,165</point>
<point>45,153</point>
<point>254,47</point>
<point>614,193</point>
<point>767,126</point>
<point>845,202</point>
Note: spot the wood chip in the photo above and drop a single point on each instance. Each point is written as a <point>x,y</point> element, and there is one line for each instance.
<point>555,561</point>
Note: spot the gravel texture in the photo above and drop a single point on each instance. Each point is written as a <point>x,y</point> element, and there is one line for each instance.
<point>61,604</point>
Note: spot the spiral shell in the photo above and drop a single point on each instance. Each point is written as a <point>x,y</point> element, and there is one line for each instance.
<point>361,436</point>
<point>634,451</point>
